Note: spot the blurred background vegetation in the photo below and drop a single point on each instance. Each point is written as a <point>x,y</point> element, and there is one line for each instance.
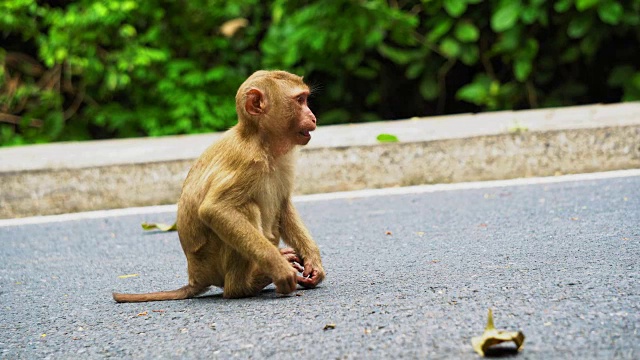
<point>89,69</point>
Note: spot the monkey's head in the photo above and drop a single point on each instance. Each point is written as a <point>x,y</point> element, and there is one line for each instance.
<point>275,103</point>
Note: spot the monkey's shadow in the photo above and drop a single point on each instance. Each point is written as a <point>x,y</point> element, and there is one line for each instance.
<point>501,351</point>
<point>268,293</point>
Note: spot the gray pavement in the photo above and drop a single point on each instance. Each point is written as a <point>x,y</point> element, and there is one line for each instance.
<point>408,276</point>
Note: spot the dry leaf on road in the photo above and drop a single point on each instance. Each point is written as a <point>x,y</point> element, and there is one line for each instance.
<point>492,336</point>
<point>159,226</point>
<point>127,276</point>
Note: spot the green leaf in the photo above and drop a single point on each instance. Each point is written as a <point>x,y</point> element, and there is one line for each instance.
<point>530,14</point>
<point>398,56</point>
<point>591,43</point>
<point>475,93</point>
<point>441,28</point>
<point>635,80</point>
<point>506,16</point>
<point>467,32</point>
<point>562,5</point>
<point>470,54</point>
<point>216,73</point>
<point>455,8</point>
<point>159,226</point>
<point>127,31</point>
<point>414,70</point>
<point>570,55</point>
<point>365,73</point>
<point>610,12</point>
<point>429,87</point>
<point>579,26</point>
<point>508,41</point>
<point>450,48</point>
<point>112,80</point>
<point>522,69</point>
<point>386,138</point>
<point>620,75</point>
<point>373,97</point>
<point>583,5</point>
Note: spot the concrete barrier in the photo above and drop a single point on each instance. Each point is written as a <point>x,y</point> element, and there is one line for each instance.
<point>68,177</point>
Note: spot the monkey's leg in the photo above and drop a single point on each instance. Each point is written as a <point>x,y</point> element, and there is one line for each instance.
<point>243,278</point>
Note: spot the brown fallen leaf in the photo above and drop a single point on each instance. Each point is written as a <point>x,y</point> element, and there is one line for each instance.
<point>329,326</point>
<point>388,232</point>
<point>159,226</point>
<point>144,313</point>
<point>492,336</point>
<point>127,276</point>
<point>158,311</point>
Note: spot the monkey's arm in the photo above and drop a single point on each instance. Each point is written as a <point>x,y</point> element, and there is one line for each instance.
<point>296,235</point>
<point>235,230</point>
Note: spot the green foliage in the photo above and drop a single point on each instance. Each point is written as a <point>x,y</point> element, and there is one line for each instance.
<point>92,69</point>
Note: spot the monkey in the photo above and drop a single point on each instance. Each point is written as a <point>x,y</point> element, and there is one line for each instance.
<point>236,205</point>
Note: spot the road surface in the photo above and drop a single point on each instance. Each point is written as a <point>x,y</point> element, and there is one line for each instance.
<point>409,274</point>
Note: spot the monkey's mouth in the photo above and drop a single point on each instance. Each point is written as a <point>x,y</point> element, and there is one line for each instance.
<point>305,133</point>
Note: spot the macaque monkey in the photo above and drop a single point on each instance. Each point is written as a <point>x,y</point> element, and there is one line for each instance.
<point>236,200</point>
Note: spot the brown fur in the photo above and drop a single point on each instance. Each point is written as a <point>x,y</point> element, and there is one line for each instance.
<point>236,200</point>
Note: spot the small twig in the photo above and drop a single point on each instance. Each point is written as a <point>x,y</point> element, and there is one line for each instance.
<point>75,105</point>
<point>442,74</point>
<point>486,62</point>
<point>15,120</point>
<point>532,95</point>
<point>47,81</point>
<point>421,39</point>
<point>19,60</point>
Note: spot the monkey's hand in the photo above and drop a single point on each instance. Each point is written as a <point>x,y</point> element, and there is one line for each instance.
<point>290,255</point>
<point>285,279</point>
<point>312,275</point>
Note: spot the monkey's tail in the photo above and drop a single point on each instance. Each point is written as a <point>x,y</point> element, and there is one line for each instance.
<point>185,292</point>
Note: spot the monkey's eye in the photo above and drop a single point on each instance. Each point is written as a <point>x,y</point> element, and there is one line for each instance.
<point>301,99</point>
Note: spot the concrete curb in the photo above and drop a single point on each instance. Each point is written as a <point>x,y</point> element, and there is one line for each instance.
<point>68,177</point>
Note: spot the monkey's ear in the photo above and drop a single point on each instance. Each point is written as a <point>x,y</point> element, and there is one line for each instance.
<point>256,102</point>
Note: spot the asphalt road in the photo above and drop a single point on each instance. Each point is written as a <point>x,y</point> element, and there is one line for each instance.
<point>408,276</point>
